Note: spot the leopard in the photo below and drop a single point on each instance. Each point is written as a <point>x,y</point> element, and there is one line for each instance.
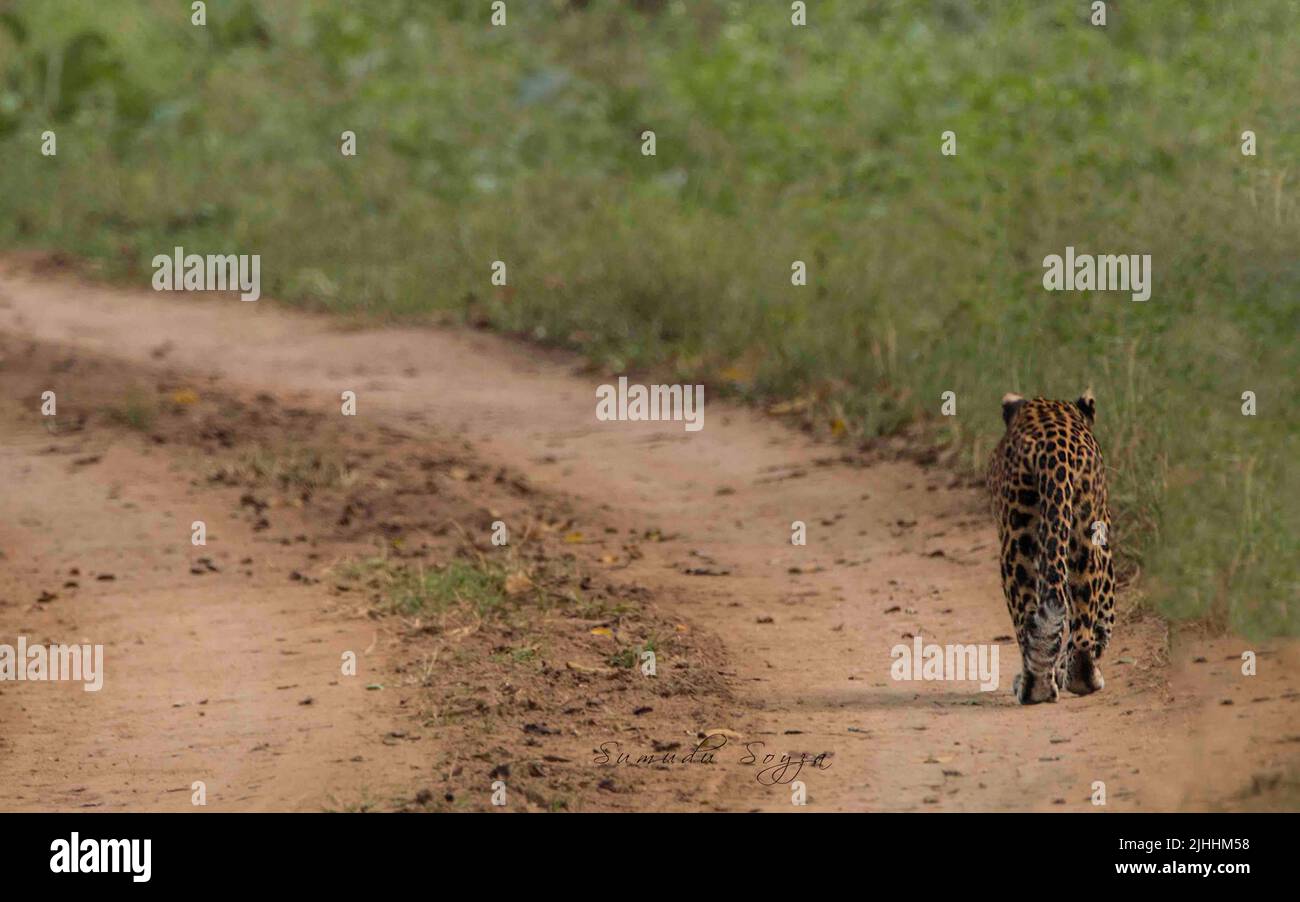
<point>1047,484</point>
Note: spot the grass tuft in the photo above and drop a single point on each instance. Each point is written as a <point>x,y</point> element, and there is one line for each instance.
<point>401,588</point>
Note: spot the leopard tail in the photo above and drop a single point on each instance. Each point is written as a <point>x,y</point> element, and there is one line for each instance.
<point>1045,633</point>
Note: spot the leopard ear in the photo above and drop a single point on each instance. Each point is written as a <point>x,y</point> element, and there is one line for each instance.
<point>1088,404</point>
<point>1010,404</point>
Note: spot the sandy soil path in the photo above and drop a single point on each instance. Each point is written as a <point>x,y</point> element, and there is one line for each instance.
<point>894,550</point>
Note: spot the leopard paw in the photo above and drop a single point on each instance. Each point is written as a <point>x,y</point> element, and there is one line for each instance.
<point>1031,688</point>
<point>1083,676</point>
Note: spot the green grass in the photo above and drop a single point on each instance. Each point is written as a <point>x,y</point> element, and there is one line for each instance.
<point>775,144</point>
<point>138,411</point>
<point>630,657</point>
<point>413,590</point>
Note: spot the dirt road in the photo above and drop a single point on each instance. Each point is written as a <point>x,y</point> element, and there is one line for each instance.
<point>231,675</point>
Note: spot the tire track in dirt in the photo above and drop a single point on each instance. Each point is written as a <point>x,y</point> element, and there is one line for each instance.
<point>222,663</point>
<point>894,550</point>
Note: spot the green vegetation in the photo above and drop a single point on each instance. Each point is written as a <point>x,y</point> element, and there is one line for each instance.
<point>417,590</point>
<point>138,410</point>
<point>630,657</point>
<point>774,144</point>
